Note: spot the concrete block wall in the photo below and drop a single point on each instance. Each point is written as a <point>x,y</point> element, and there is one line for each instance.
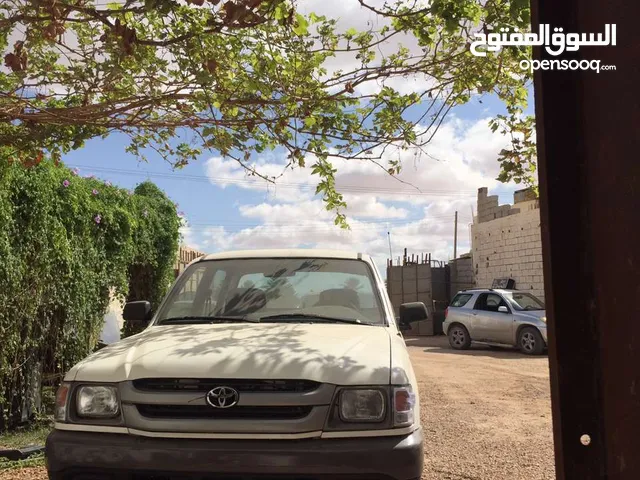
<point>524,195</point>
<point>509,246</point>
<point>490,209</point>
<point>461,274</point>
<point>412,283</point>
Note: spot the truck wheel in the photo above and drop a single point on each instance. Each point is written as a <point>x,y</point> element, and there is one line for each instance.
<point>459,337</point>
<point>530,341</point>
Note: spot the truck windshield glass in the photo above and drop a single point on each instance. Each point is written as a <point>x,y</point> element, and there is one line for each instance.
<point>524,301</point>
<point>295,288</point>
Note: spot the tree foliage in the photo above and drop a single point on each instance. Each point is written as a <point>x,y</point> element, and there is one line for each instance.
<point>246,76</point>
<point>66,243</point>
<point>152,267</point>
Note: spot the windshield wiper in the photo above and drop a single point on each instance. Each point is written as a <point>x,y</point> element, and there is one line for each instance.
<point>201,319</point>
<point>309,316</point>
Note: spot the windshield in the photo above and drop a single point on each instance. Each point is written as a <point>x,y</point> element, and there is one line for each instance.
<point>524,301</point>
<point>306,290</point>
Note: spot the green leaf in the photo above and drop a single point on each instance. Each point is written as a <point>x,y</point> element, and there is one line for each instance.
<point>302,25</point>
<point>350,33</point>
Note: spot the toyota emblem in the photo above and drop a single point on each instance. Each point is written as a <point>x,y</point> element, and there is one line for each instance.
<point>222,397</point>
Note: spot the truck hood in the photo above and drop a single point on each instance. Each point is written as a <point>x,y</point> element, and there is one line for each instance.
<point>330,353</point>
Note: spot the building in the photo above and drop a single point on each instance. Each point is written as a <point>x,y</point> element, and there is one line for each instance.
<point>505,245</point>
<point>506,242</point>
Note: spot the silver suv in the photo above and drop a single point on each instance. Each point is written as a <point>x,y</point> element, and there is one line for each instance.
<point>496,317</point>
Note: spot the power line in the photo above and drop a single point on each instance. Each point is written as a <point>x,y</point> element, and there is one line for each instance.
<point>322,227</point>
<point>261,182</point>
<point>320,222</point>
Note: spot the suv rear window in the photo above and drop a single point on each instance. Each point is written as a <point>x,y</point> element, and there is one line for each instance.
<point>461,299</point>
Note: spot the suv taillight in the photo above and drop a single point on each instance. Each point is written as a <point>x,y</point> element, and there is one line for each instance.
<point>446,312</point>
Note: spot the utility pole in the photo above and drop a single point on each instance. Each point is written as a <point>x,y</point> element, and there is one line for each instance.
<point>390,254</point>
<point>455,237</point>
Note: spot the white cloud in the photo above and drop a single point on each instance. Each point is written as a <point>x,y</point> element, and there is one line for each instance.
<point>460,159</point>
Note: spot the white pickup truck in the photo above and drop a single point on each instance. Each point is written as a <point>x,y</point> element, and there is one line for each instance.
<point>266,364</point>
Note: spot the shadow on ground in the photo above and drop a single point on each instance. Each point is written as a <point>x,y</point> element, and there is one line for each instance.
<point>440,344</point>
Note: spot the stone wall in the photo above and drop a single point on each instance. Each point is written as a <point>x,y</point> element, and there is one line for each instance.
<point>506,242</point>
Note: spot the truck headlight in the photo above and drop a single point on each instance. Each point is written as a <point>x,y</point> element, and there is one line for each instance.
<point>97,401</point>
<point>403,406</point>
<point>362,405</point>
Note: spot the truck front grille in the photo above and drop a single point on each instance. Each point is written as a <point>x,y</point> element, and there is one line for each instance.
<point>235,413</point>
<point>241,385</point>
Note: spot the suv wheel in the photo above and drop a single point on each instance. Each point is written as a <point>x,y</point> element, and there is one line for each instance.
<point>459,337</point>
<point>530,341</point>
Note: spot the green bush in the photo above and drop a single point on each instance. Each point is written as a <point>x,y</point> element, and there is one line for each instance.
<point>65,242</point>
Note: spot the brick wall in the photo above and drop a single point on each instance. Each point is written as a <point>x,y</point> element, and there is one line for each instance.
<point>506,242</point>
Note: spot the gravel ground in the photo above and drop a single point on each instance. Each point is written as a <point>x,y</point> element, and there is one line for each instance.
<point>29,473</point>
<point>486,414</point>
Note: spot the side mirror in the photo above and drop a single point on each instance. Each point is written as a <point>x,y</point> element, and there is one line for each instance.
<point>413,312</point>
<point>403,327</point>
<point>503,309</point>
<point>138,312</point>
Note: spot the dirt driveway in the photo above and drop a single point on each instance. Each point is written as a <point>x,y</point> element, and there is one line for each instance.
<point>486,413</point>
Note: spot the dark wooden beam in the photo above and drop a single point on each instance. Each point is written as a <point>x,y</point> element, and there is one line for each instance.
<point>588,142</point>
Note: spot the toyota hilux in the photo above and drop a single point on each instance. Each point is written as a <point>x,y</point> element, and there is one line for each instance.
<point>266,364</point>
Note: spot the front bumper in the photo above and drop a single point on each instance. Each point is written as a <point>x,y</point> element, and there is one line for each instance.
<point>109,456</point>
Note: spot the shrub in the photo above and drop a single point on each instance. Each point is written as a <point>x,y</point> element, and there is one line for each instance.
<point>65,243</point>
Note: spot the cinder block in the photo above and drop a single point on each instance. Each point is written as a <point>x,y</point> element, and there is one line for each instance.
<point>395,273</point>
<point>396,300</point>
<point>409,286</point>
<point>396,286</point>
<point>409,273</point>
<point>424,271</point>
<point>410,297</point>
<point>424,285</point>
